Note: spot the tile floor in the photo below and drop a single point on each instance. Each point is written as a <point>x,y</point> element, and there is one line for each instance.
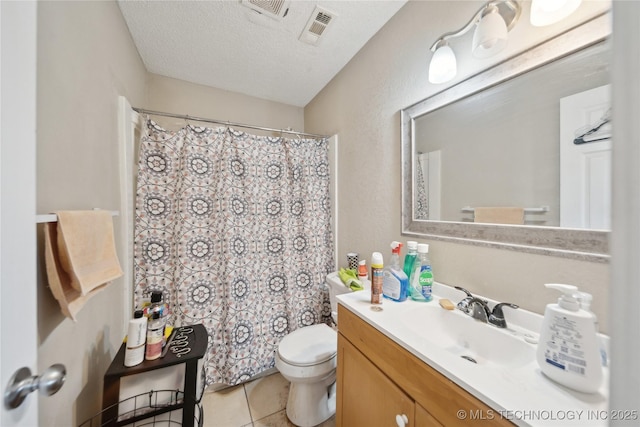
<point>259,403</point>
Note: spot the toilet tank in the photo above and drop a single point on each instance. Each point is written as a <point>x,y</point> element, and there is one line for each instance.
<point>336,287</point>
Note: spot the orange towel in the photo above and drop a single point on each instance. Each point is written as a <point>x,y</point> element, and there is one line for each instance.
<point>499,215</point>
<point>70,300</point>
<point>86,248</point>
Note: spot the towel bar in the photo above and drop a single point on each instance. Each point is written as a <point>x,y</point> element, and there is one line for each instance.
<point>541,209</point>
<point>41,219</point>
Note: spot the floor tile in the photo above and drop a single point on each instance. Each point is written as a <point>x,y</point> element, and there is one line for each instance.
<point>226,408</point>
<point>279,419</point>
<point>267,395</point>
<point>331,422</point>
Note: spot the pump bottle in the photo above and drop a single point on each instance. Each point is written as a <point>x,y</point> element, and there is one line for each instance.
<point>585,303</point>
<point>568,349</point>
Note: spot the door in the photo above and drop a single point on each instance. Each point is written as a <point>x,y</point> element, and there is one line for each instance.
<point>585,164</point>
<point>18,300</point>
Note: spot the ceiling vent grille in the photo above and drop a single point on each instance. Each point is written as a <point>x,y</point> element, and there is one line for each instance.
<point>276,9</point>
<point>316,26</point>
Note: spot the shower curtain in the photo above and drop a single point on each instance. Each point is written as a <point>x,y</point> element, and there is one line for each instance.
<point>422,198</point>
<point>234,229</point>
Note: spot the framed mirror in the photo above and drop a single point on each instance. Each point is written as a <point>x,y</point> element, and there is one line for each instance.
<point>492,143</point>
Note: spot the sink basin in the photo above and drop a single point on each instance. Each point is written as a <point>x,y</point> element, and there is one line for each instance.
<point>468,338</point>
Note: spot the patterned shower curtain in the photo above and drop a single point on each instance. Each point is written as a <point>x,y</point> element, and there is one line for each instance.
<point>422,198</point>
<point>234,229</point>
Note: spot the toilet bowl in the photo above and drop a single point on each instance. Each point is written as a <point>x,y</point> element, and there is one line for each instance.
<point>307,357</point>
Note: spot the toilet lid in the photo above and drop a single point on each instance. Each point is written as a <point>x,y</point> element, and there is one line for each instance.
<point>308,346</point>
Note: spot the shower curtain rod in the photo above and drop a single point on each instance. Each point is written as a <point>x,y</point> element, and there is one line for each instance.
<point>222,122</point>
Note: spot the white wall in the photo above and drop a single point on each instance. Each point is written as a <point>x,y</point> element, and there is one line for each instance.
<point>362,104</point>
<point>86,58</point>
<point>625,250</point>
<point>181,97</point>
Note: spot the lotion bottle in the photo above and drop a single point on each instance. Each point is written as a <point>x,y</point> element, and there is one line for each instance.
<point>136,339</point>
<point>568,349</point>
<point>585,303</point>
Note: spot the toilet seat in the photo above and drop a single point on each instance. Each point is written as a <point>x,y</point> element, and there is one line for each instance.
<point>309,346</point>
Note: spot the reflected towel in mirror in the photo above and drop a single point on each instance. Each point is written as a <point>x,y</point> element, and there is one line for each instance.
<point>499,215</point>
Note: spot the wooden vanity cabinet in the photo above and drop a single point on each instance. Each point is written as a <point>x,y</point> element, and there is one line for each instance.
<point>377,380</point>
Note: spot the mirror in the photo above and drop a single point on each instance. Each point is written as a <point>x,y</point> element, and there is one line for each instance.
<point>493,140</point>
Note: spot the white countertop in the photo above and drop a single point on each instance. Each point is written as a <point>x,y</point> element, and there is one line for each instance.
<point>522,394</point>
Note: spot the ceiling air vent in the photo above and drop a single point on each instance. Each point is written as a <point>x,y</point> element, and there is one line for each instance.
<point>276,9</point>
<point>317,25</point>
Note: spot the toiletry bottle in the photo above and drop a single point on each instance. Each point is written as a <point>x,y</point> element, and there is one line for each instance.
<point>422,276</point>
<point>377,274</point>
<point>362,270</point>
<point>568,350</point>
<point>154,337</point>
<point>395,282</point>
<point>159,306</point>
<point>409,260</point>
<point>585,303</point>
<point>136,338</point>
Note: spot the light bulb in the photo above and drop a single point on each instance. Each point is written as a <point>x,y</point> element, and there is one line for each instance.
<point>490,36</point>
<point>443,66</point>
<point>547,12</point>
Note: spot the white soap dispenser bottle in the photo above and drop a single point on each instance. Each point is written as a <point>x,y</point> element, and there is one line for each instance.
<point>568,349</point>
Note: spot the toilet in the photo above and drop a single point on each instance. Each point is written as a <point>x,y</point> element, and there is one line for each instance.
<point>307,358</point>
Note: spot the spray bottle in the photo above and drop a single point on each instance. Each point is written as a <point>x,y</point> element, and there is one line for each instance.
<point>395,281</point>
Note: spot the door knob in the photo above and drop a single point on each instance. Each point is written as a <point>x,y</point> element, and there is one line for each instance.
<point>402,420</point>
<point>22,383</point>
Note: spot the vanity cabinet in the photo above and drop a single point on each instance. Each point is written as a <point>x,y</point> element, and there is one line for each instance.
<point>377,380</point>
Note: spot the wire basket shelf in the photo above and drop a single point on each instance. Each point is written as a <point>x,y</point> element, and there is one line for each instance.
<point>158,408</point>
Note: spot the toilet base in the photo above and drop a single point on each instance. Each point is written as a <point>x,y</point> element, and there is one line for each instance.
<point>310,404</point>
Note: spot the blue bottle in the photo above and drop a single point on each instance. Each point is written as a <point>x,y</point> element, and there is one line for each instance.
<point>395,283</point>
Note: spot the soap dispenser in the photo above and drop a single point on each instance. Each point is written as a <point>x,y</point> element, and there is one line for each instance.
<point>568,349</point>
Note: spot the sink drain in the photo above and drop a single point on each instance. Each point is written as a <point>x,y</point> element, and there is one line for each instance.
<point>469,358</point>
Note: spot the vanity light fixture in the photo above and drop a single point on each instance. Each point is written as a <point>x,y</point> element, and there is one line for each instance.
<point>443,65</point>
<point>547,12</point>
<point>492,23</point>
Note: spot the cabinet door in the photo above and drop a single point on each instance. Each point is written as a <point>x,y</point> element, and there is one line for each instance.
<point>366,397</point>
<point>424,418</point>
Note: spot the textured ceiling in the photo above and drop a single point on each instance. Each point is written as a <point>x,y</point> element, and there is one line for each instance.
<point>226,45</point>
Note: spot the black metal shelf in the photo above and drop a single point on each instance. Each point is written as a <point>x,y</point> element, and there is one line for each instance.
<point>147,406</point>
<point>185,399</point>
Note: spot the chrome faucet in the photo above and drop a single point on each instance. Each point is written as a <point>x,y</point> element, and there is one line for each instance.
<point>464,304</point>
<point>497,317</point>
<point>479,309</point>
